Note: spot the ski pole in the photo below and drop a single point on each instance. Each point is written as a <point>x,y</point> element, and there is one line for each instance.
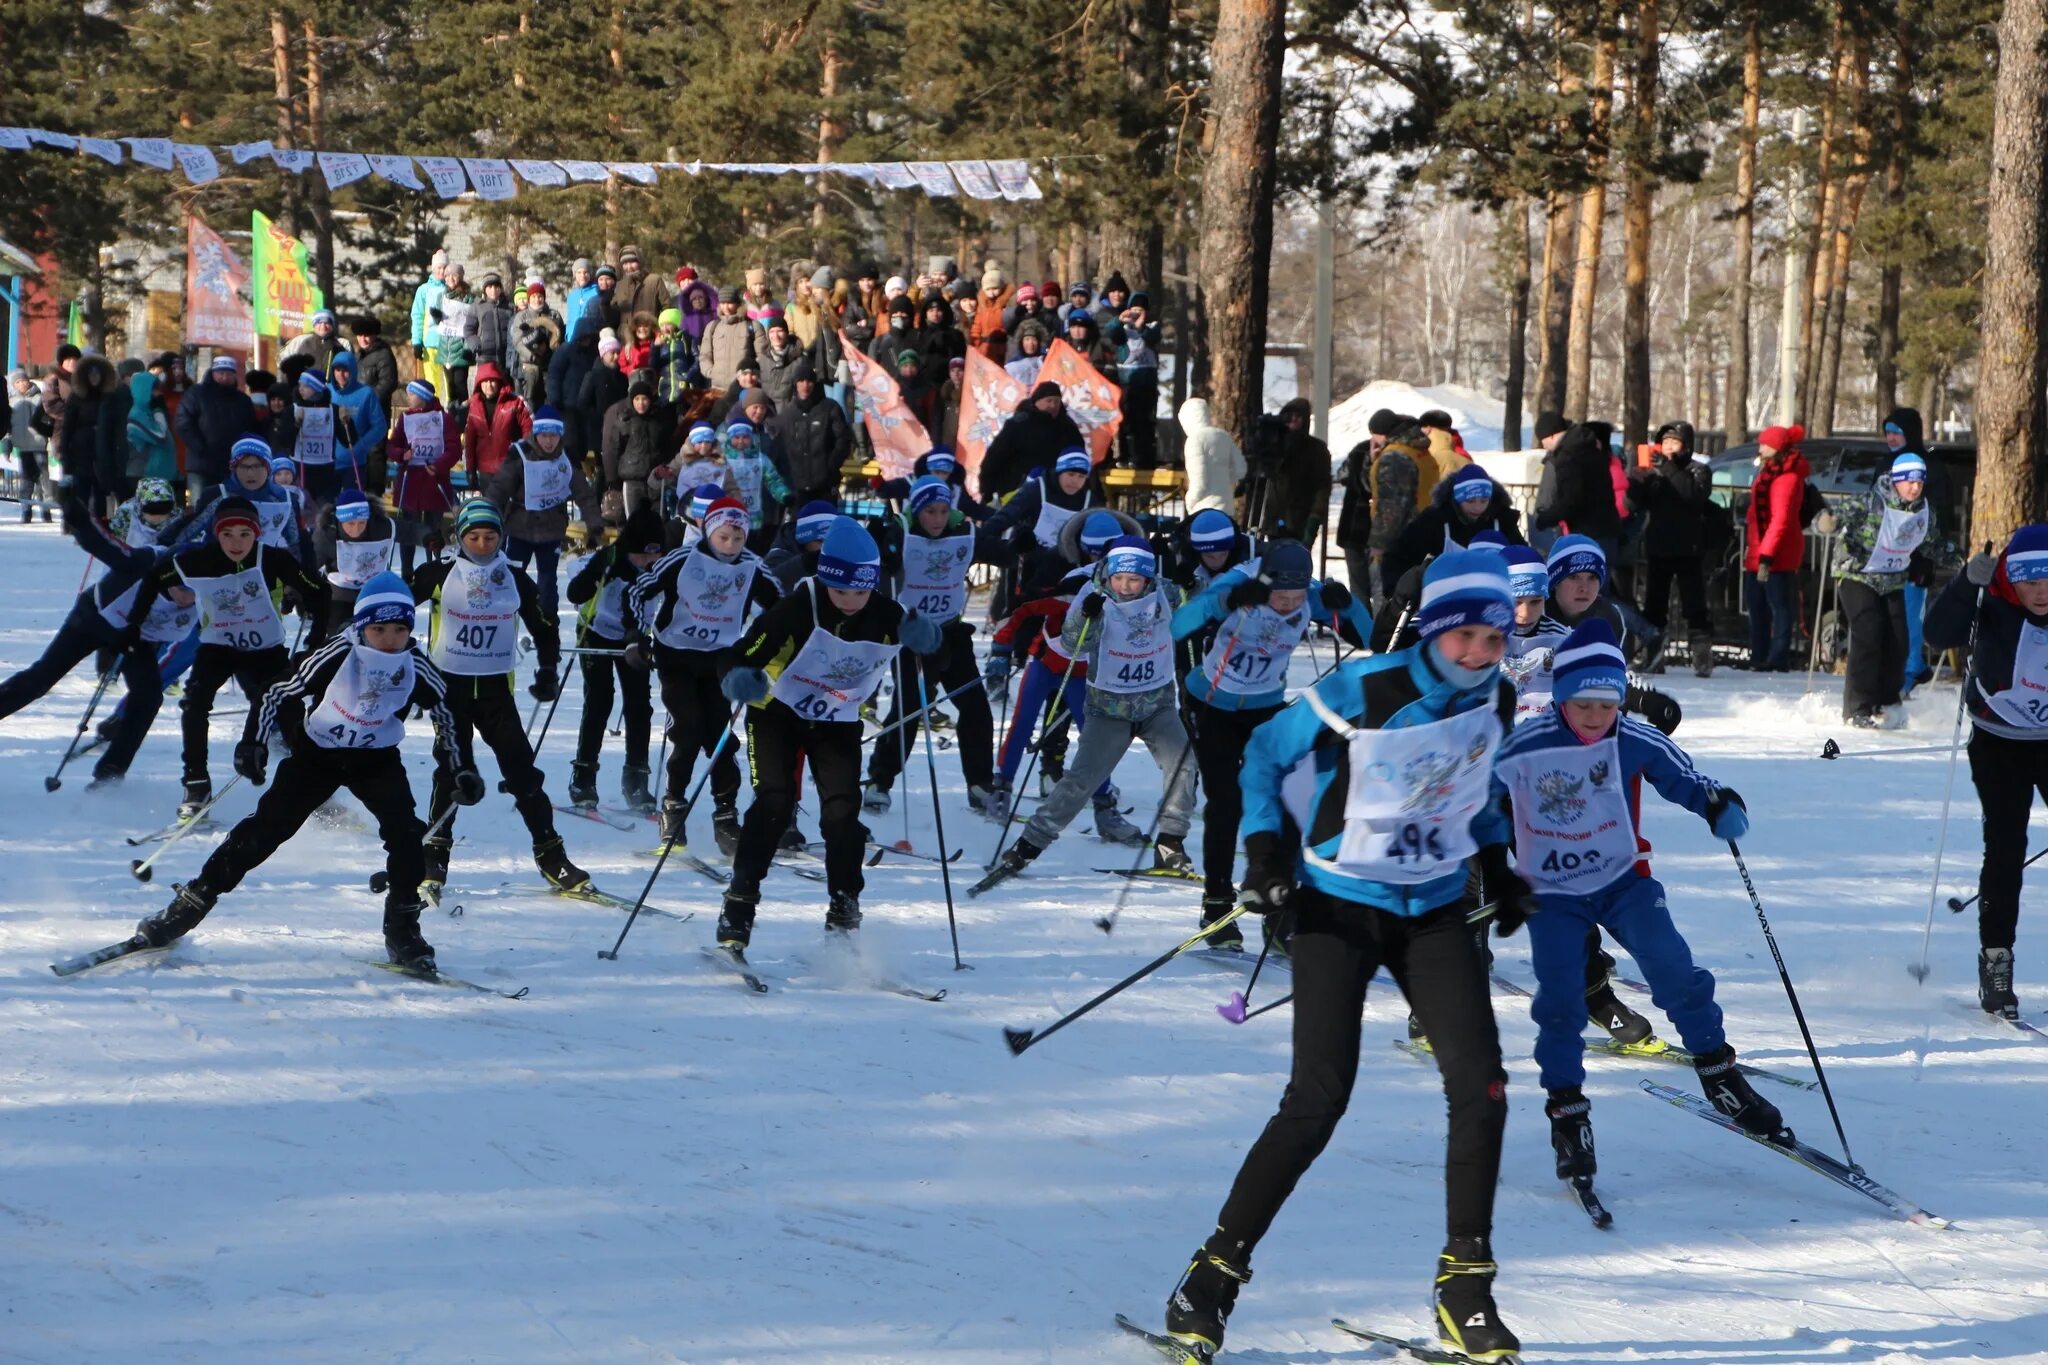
<point>1958,904</point>
<point>1820,602</point>
<point>902,754</point>
<point>1267,1008</point>
<point>1920,969</point>
<point>1045,726</point>
<point>560,688</point>
<point>1234,1011</point>
<point>141,866</point>
<point>1831,750</point>
<point>931,767</point>
<point>56,779</point>
<point>595,653</point>
<point>902,721</point>
<point>668,846</point>
<point>1793,996</point>
<point>1022,1038</point>
<point>1107,923</point>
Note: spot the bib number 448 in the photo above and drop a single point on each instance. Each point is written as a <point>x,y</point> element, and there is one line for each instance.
<point>1138,672</point>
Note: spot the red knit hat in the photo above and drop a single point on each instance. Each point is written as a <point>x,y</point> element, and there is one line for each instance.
<point>1781,438</point>
<point>684,274</point>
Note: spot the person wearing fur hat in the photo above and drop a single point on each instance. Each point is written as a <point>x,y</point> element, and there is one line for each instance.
<point>537,332</point>
<point>1776,546</point>
<point>801,673</point>
<point>532,491</point>
<point>1378,876</point>
<point>598,592</point>
<point>1030,341</point>
<point>1889,538</point>
<point>1461,506</point>
<point>478,602</point>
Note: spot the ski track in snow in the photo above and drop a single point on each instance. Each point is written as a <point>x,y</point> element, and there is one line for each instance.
<point>256,1149</point>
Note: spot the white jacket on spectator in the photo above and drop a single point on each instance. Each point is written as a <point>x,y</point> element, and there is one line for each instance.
<point>1214,463</point>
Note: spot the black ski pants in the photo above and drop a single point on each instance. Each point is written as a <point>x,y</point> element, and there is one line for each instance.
<point>1338,945</point>
<point>1220,738</point>
<point>303,783</point>
<point>1690,576</point>
<point>1877,646</point>
<point>253,669</point>
<point>697,716</point>
<point>2008,772</point>
<point>83,634</point>
<point>486,709</point>
<point>952,667</point>
<point>779,742</point>
<point>599,691</point>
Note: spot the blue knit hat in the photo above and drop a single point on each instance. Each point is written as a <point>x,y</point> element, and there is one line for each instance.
<point>478,512</point>
<point>1098,530</point>
<point>2026,555</point>
<point>1211,529</point>
<point>1471,483</point>
<point>926,490</point>
<point>940,461</point>
<point>548,422</point>
<point>351,505</point>
<point>249,447</point>
<point>422,390</point>
<point>701,432</point>
<point>1130,554</point>
<point>735,430</point>
<point>1072,462</point>
<point>1908,466</point>
<point>1286,565</point>
<point>1589,666</point>
<point>849,559</point>
<point>1526,575</point>
<point>1488,539</point>
<point>383,598</point>
<point>1464,588</point>
<point>1576,554</point>
<point>701,498</point>
<point>813,520</point>
<point>283,464</point>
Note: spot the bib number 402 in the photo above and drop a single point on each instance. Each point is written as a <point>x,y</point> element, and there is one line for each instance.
<point>1414,843</point>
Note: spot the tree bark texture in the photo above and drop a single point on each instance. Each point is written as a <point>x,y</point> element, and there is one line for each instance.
<point>1578,385</point>
<point>1515,239</point>
<point>1737,400</point>
<point>1855,181</point>
<point>1637,203</point>
<point>1891,277</point>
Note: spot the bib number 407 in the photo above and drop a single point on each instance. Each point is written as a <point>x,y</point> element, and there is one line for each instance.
<point>1414,843</point>
<point>476,637</point>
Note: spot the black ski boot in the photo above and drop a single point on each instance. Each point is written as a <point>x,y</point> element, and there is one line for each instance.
<point>1700,645</point>
<point>553,861</point>
<point>793,840</point>
<point>1466,1319</point>
<point>633,790</point>
<point>1732,1094</point>
<point>434,874</point>
<point>1229,937</point>
<point>1199,1308</point>
<point>179,918</point>
<point>1051,770</point>
<point>1623,1024</point>
<point>1170,854</point>
<point>842,916</point>
<point>736,919</point>
<point>402,941</point>
<point>725,827</point>
<point>1571,1133</point>
<point>672,831</point>
<point>198,791</point>
<point>1994,983</point>
<point>583,786</point>
<point>1016,857</point>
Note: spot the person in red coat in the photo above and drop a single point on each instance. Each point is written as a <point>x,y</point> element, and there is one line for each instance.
<point>498,416</point>
<point>424,444</point>
<point>1777,544</point>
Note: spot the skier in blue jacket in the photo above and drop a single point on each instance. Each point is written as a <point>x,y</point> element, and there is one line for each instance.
<point>1573,780</point>
<point>1399,752</point>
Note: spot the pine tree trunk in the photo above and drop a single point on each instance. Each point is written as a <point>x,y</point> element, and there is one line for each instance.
<point>1635,326</point>
<point>1819,257</point>
<point>1553,311</point>
<point>281,72</point>
<point>1515,239</point>
<point>1578,385</point>
<point>2013,366</point>
<point>1237,203</point>
<point>323,213</point>
<point>615,54</point>
<point>831,132</point>
<point>1892,277</point>
<point>1737,401</point>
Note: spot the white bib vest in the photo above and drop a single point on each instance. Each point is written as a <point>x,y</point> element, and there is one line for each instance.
<point>935,575</point>
<point>271,519</point>
<point>1051,520</point>
<point>1898,536</point>
<point>1527,665</point>
<point>1573,831</point>
<point>1412,795</point>
<point>1261,643</point>
<point>2024,702</point>
<point>711,602</point>
<point>476,626</point>
<point>426,433</point>
<point>316,436</point>
<point>1137,645</point>
<point>364,698</point>
<point>829,677</point>
<point>236,611</point>
<point>546,482</point>
<point>355,561</point>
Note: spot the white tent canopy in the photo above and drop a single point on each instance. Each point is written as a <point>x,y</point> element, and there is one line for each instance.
<point>1477,416</point>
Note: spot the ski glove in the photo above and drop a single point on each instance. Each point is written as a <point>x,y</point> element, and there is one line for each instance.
<point>1514,900</point>
<point>1336,597</point>
<point>1253,592</point>
<point>469,785</point>
<point>997,670</point>
<point>744,685</point>
<point>1980,569</point>
<point>635,657</point>
<point>1656,708</point>
<point>921,635</point>
<point>251,757</point>
<point>1091,606</point>
<point>1268,873</point>
<point>1726,815</point>
<point>545,686</point>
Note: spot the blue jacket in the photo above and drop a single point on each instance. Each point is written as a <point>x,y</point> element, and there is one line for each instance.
<point>195,527</point>
<point>1209,608</point>
<point>366,419</point>
<point>1386,692</point>
<point>575,310</point>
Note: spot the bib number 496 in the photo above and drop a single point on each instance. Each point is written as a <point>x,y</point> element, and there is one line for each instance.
<point>812,707</point>
<point>1414,843</point>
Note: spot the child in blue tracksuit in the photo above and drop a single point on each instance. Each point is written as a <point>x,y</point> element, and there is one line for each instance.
<point>1573,781</point>
<point>1254,617</point>
<point>1393,793</point>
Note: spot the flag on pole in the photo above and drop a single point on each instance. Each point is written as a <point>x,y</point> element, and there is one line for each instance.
<point>988,395</point>
<point>899,439</point>
<point>1095,404</point>
<point>215,286</point>
<point>285,295</point>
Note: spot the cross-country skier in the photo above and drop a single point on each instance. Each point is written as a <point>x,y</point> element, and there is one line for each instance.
<point>1572,779</point>
<point>341,715</point>
<point>794,555</point>
<point>532,491</point>
<point>352,544</point>
<point>250,479</point>
<point>1401,747</point>
<point>598,591</point>
<point>1034,517</point>
<point>1889,538</point>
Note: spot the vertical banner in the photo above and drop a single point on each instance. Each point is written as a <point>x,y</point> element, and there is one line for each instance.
<point>988,395</point>
<point>898,437</point>
<point>215,282</point>
<point>281,286</point>
<point>1095,404</point>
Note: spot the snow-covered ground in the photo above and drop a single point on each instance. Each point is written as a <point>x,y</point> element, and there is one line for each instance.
<point>256,1149</point>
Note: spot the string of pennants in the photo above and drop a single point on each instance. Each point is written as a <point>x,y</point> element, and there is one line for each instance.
<point>497,178</point>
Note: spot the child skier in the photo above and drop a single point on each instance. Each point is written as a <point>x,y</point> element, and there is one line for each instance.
<point>1120,624</point>
<point>479,600</point>
<point>249,478</point>
<point>1572,779</point>
<point>352,544</point>
<point>1402,750</point>
<point>599,591</point>
<point>532,490</point>
<point>1886,543</point>
<point>1040,510</point>
<point>2005,602</point>
<point>1578,580</point>
<point>695,603</point>
<point>425,444</point>
<point>341,714</point>
<point>1254,616</point>
<point>802,670</point>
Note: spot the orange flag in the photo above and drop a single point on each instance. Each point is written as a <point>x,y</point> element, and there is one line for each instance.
<point>988,395</point>
<point>899,439</point>
<point>1093,402</point>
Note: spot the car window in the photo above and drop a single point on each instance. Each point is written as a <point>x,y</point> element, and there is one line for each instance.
<point>1858,466</point>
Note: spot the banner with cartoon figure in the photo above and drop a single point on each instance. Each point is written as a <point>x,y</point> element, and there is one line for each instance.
<point>898,437</point>
<point>1095,404</point>
<point>284,293</point>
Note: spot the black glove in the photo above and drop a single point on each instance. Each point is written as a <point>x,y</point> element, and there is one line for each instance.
<point>469,785</point>
<point>1920,571</point>
<point>1980,569</point>
<point>1336,596</point>
<point>1514,900</point>
<point>250,760</point>
<point>1268,873</point>
<point>635,657</point>
<point>1658,709</point>
<point>545,686</point>
<point>1091,606</point>
<point>1253,592</point>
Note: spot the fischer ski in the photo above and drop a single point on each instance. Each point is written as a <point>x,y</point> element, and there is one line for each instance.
<point>735,961</point>
<point>601,816</point>
<point>435,977</point>
<point>1179,1352</point>
<point>1815,1160</point>
<point>590,895</point>
<point>113,952</point>
<point>1426,1351</point>
<point>1162,874</point>
<point>2011,1021</point>
<point>1678,1056</point>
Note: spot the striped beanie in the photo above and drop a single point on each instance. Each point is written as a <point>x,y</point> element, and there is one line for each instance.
<point>283,464</point>
<point>422,390</point>
<point>849,559</point>
<point>1211,529</point>
<point>235,510</point>
<point>927,490</point>
<point>351,505</point>
<point>813,520</point>
<point>1488,539</point>
<point>940,461</point>
<point>1098,530</point>
<point>1588,666</point>
<point>548,422</point>
<point>478,512</point>
<point>1471,483</point>
<point>1576,554</point>
<point>725,511</point>
<point>1073,462</point>
<point>383,598</point>
<point>735,430</point>
<point>1908,466</point>
<point>1130,554</point>
<point>1527,576</point>
<point>250,447</point>
<point>703,433</point>
<point>1464,588</point>
<point>2026,556</point>
<point>701,498</point>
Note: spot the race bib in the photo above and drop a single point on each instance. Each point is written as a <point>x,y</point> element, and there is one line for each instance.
<point>1260,643</point>
<point>546,483</point>
<point>236,611</point>
<point>361,707</point>
<point>711,603</point>
<point>426,433</point>
<point>1413,793</point>
<point>273,518</point>
<point>355,561</point>
<point>829,677</point>
<point>935,575</point>
<point>476,623</point>
<point>2024,702</point>
<point>316,436</point>
<point>1898,536</point>
<point>1137,646</point>
<point>1051,521</point>
<point>1573,829</point>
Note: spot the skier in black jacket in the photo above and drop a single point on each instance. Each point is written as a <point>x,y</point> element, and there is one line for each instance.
<point>1674,492</point>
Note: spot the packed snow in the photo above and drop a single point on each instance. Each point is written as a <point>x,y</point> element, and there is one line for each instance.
<point>258,1149</point>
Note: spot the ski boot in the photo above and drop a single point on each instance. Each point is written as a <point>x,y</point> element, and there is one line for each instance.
<point>1623,1024</point>
<point>725,827</point>
<point>1733,1095</point>
<point>1229,937</point>
<point>1170,854</point>
<point>1416,1033</point>
<point>198,791</point>
<point>989,803</point>
<point>1571,1133</point>
<point>402,941</point>
<point>1701,646</point>
<point>874,799</point>
<point>553,861</point>
<point>671,824</point>
<point>793,840</point>
<point>583,786</point>
<point>842,916</point>
<point>1994,983</point>
<point>736,919</point>
<point>1466,1319</point>
<point>179,918</point>
<point>1199,1308</point>
<point>633,790</point>
<point>1052,770</point>
<point>1112,828</point>
<point>1015,859</point>
<point>434,874</point>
